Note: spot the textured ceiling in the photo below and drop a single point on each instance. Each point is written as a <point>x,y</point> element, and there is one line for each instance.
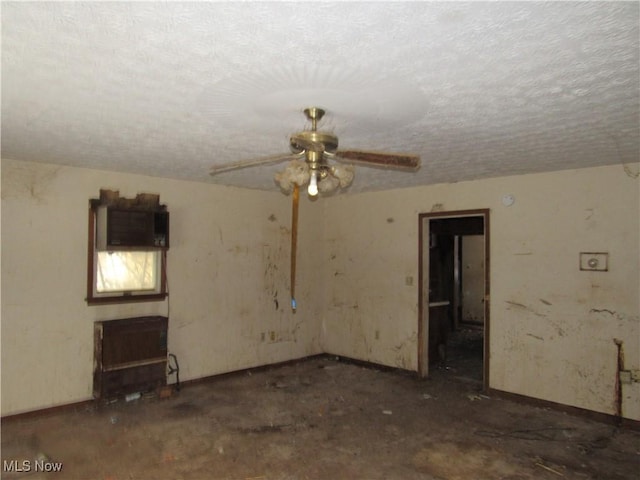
<point>170,89</point>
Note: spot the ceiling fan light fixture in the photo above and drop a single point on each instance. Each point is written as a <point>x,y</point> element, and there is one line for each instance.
<point>344,173</point>
<point>328,184</point>
<point>295,173</point>
<point>313,183</point>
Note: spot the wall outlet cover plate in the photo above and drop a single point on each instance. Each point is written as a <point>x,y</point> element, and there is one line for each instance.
<point>594,261</point>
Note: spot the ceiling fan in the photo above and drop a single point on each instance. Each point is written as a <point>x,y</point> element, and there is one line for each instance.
<point>316,161</point>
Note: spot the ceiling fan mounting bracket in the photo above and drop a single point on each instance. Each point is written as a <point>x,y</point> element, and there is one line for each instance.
<point>314,114</point>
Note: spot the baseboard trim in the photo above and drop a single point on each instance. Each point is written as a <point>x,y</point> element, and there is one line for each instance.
<point>515,397</point>
<point>368,364</point>
<point>92,403</point>
<point>568,409</point>
<point>259,368</point>
<point>43,412</point>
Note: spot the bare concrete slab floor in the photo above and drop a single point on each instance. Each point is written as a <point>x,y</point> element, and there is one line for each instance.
<point>320,419</point>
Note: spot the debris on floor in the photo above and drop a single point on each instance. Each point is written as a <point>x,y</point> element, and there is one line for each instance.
<point>330,421</point>
<point>477,396</point>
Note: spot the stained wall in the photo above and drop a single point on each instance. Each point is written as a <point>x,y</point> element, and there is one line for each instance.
<point>552,326</point>
<point>228,273</point>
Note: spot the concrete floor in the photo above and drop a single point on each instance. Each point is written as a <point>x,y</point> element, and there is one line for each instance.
<point>321,418</point>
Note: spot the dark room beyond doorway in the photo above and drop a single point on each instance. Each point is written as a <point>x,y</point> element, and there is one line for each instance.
<point>455,292</point>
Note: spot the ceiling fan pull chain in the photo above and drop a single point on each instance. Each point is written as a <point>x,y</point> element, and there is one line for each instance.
<point>294,241</point>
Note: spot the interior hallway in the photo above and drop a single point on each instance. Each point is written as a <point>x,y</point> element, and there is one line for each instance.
<point>322,418</point>
<point>464,354</point>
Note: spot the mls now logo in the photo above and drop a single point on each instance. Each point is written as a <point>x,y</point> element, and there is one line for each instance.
<point>29,466</point>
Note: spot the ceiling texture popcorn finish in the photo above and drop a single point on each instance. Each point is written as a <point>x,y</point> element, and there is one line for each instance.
<point>172,89</point>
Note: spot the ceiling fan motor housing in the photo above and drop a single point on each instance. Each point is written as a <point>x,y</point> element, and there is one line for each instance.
<point>313,140</point>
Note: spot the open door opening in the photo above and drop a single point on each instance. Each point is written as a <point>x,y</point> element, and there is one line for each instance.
<point>453,325</point>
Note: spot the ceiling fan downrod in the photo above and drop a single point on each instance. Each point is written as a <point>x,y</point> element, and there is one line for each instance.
<point>314,114</point>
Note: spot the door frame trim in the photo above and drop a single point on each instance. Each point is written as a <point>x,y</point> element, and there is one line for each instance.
<point>485,213</point>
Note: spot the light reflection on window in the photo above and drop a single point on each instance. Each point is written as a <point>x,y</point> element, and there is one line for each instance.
<point>127,271</point>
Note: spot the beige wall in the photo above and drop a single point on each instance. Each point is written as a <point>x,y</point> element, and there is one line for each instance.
<point>228,262</point>
<point>552,325</point>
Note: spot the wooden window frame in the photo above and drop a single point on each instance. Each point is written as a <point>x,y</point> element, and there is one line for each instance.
<point>125,297</point>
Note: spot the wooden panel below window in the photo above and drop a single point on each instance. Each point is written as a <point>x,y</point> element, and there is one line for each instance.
<point>130,356</point>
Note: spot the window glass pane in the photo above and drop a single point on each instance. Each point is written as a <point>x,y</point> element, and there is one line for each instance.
<point>127,270</point>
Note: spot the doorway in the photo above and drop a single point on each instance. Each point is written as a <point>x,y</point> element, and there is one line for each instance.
<point>453,328</point>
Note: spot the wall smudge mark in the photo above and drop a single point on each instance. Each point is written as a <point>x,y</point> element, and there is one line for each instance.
<point>239,250</point>
<point>272,218</point>
<point>545,301</point>
<point>390,220</point>
<point>524,307</point>
<point>535,336</point>
<point>559,330</point>
<point>29,181</point>
<point>402,358</point>
<point>294,331</point>
<point>516,304</point>
<point>630,173</point>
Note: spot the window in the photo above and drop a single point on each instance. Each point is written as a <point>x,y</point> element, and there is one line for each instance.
<point>127,252</point>
<point>123,271</point>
